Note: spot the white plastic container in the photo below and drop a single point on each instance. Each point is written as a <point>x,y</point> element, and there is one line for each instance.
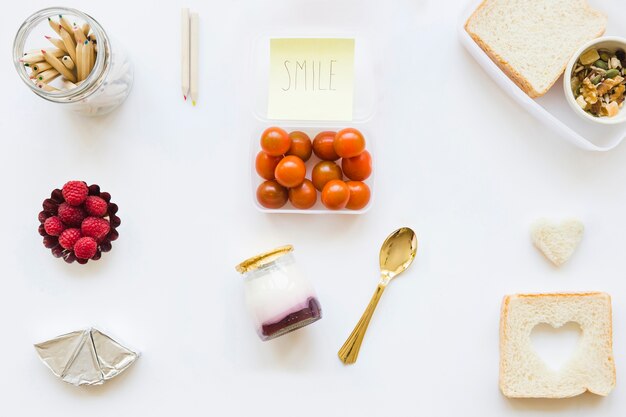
<point>552,109</point>
<point>365,104</point>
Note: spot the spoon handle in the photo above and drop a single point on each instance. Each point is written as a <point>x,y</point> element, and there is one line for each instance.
<point>349,352</point>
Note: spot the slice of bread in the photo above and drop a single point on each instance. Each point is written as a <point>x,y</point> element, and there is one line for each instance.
<point>557,241</point>
<point>523,374</point>
<point>532,40</point>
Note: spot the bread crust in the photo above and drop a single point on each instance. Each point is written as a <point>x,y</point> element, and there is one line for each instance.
<point>511,72</point>
<point>504,312</point>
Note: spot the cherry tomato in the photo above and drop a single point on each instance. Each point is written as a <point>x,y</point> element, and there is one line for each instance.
<point>335,195</point>
<point>357,168</point>
<point>275,141</point>
<point>266,165</point>
<point>290,171</point>
<point>303,196</point>
<point>323,146</point>
<point>349,142</point>
<point>300,145</point>
<point>359,195</point>
<point>323,172</point>
<point>271,195</point>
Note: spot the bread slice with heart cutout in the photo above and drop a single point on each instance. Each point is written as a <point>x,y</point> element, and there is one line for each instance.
<point>523,374</point>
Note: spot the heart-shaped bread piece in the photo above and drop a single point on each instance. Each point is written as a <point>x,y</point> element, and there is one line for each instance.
<point>557,241</point>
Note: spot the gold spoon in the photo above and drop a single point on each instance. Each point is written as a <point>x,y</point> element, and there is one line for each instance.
<point>396,254</point>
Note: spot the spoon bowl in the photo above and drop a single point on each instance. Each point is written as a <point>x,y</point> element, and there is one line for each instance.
<point>397,252</point>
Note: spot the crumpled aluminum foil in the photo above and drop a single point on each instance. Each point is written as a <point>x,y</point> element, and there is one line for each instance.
<point>85,357</point>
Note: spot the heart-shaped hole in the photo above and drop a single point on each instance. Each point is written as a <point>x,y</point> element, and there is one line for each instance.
<point>555,346</point>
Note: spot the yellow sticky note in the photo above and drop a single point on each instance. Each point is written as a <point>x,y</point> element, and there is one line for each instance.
<point>311,79</point>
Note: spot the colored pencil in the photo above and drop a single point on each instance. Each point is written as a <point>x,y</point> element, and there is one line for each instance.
<point>65,23</point>
<point>57,65</point>
<point>79,35</point>
<point>193,61</point>
<point>80,64</point>
<point>47,87</point>
<point>48,75</point>
<point>39,67</point>
<point>69,42</point>
<point>184,51</point>
<point>38,57</point>
<point>85,60</point>
<point>54,25</point>
<point>67,61</point>
<point>92,57</point>
<point>57,42</point>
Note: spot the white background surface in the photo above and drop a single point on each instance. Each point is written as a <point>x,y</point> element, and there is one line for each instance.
<point>457,161</point>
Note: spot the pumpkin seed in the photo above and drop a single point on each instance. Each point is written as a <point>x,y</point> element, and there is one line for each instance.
<point>601,64</point>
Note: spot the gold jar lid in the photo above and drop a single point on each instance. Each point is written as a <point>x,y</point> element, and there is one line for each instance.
<point>262,259</point>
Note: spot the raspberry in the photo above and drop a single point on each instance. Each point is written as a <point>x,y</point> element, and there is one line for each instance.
<point>69,237</point>
<point>96,206</point>
<point>50,206</point>
<point>57,195</point>
<point>75,192</point>
<point>95,227</point>
<point>94,189</point>
<point>85,248</point>
<point>50,241</point>
<point>70,215</point>
<point>54,226</point>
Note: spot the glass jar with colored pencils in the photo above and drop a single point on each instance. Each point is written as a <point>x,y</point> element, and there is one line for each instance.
<point>64,56</point>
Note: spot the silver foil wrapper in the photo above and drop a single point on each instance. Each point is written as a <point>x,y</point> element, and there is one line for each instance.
<point>85,357</point>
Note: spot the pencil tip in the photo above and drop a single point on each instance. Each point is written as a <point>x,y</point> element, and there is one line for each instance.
<point>185,97</point>
<point>46,36</point>
<point>193,102</point>
<point>49,19</point>
<point>43,51</point>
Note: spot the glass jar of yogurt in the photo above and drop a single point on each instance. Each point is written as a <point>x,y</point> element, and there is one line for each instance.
<point>105,86</point>
<point>279,297</point>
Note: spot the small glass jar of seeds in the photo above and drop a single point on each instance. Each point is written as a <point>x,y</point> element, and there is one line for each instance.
<point>64,56</point>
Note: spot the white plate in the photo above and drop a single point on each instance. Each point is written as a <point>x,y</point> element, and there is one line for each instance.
<point>551,109</point>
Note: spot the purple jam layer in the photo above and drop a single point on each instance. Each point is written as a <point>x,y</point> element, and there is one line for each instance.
<point>293,321</point>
